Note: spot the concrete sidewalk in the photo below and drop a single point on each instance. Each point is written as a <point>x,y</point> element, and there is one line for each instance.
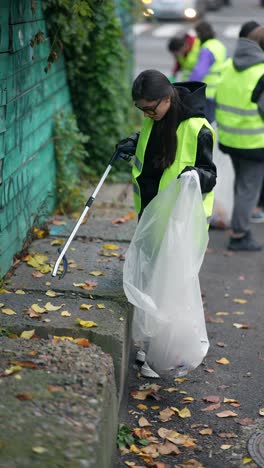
<point>60,399</point>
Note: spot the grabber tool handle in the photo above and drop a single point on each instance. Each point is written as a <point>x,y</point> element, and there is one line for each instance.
<point>81,218</point>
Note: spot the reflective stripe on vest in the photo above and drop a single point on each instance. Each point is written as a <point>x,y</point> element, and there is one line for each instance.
<point>187,137</point>
<point>214,75</point>
<point>189,61</point>
<point>236,115</point>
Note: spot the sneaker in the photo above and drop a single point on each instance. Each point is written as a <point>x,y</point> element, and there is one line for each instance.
<point>141,356</point>
<point>257,217</point>
<point>246,243</point>
<point>146,371</point>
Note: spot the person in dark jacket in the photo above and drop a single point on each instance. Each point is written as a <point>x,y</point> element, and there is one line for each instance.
<point>175,138</point>
<point>240,121</point>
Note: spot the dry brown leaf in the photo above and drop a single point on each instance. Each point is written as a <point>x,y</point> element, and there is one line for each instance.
<point>37,274</point>
<point>192,463</point>
<point>226,414</point>
<point>211,407</point>
<point>143,422</point>
<point>168,448</point>
<point>166,414</point>
<point>227,435</point>
<point>124,219</point>
<point>249,292</point>
<point>86,323</point>
<point>245,421</point>
<point>221,344</point>
<point>206,431</point>
<point>24,396</point>
<point>230,400</point>
<point>211,399</point>
<point>225,446</point>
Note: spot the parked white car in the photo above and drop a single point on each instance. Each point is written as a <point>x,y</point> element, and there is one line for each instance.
<point>175,9</point>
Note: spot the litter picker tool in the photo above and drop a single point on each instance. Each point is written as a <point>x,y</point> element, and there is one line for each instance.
<point>62,252</point>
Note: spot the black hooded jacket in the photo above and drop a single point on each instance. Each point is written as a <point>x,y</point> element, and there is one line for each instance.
<point>192,96</point>
<point>248,54</point>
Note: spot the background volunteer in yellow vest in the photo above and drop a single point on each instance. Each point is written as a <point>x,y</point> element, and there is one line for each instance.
<point>185,51</point>
<point>175,138</point>
<point>240,122</point>
<point>210,64</point>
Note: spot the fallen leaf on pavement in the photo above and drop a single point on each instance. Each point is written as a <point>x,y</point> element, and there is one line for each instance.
<point>211,407</point>
<point>177,438</point>
<point>183,413</point>
<point>24,396</point>
<point>27,335</point>
<point>245,421</point>
<point>168,448</point>
<point>86,306</point>
<point>227,435</point>
<point>143,422</point>
<point>143,394</point>
<point>166,414</point>
<point>222,313</point>
<point>39,450</point>
<point>82,342</point>
<point>4,291</point>
<point>230,400</point>
<point>57,242</point>
<point>26,364</point>
<point>111,247</point>
<point>142,407</point>
<point>226,414</point>
<point>37,274</point>
<point>51,308</point>
<point>221,344</point>
<point>225,446</point>
<point>38,309</point>
<point>246,460</point>
<point>96,273</point>
<point>210,371</point>
<point>11,370</point>
<point>32,314</point>
<point>206,431</point>
<point>65,313</point>
<point>8,311</point>
<point>20,291</point>
<point>249,292</point>
<point>51,293</point>
<point>171,389</point>
<point>211,399</point>
<point>240,301</point>
<point>241,325</point>
<point>86,323</point>
<point>261,411</point>
<point>223,361</point>
<point>192,463</point>
<point>181,379</point>
<point>100,306</point>
<point>124,219</point>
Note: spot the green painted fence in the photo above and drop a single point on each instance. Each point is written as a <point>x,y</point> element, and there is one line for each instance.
<point>29,99</point>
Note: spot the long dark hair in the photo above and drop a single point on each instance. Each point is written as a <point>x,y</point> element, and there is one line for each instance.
<point>153,85</point>
<point>204,31</point>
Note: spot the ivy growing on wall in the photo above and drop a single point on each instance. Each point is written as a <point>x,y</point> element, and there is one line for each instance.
<point>91,36</point>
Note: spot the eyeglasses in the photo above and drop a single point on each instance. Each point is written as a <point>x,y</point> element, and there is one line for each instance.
<point>150,110</point>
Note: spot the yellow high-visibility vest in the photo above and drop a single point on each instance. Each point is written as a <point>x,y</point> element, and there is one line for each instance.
<point>239,123</point>
<point>187,139</point>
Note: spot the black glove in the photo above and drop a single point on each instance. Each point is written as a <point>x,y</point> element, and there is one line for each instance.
<point>126,148</point>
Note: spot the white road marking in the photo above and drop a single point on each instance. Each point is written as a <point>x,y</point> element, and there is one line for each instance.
<point>167,30</point>
<point>232,31</point>
<point>140,28</point>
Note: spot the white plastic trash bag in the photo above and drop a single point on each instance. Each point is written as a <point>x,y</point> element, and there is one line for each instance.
<point>160,278</point>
